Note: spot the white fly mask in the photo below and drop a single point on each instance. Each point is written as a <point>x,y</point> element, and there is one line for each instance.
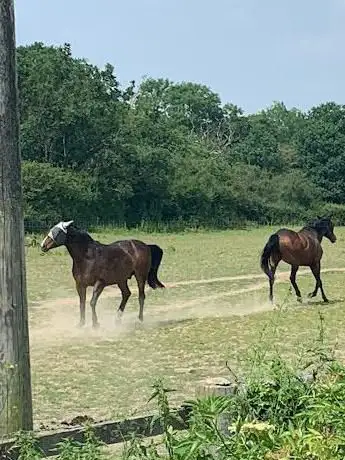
<point>58,233</point>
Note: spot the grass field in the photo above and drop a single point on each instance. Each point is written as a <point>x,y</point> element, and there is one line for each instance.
<point>214,308</point>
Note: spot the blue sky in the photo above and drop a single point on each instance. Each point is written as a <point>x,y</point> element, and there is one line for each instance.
<point>251,52</point>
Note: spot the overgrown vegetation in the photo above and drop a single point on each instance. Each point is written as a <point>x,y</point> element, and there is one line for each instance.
<point>278,412</point>
<point>165,152</point>
<point>90,449</point>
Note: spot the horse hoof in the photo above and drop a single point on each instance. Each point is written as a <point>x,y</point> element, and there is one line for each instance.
<point>139,323</point>
<point>326,300</point>
<point>311,295</point>
<point>299,299</point>
<point>118,317</point>
<point>95,325</point>
<point>81,324</point>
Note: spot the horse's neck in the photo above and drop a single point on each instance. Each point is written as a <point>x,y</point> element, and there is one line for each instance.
<point>78,249</point>
<point>318,235</point>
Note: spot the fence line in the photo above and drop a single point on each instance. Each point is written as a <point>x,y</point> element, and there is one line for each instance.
<point>111,432</point>
<point>31,227</point>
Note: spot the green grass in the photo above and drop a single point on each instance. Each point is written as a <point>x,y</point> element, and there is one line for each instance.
<point>189,332</point>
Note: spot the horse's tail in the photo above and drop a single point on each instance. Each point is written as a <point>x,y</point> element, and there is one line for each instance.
<point>156,258</point>
<point>271,246</point>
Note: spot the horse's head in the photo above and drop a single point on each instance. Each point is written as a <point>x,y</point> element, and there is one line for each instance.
<point>326,226</point>
<point>56,236</point>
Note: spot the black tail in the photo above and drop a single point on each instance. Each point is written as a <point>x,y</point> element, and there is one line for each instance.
<point>156,258</point>
<point>271,245</point>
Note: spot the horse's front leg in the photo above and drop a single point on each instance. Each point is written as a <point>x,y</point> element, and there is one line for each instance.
<point>316,270</point>
<point>97,291</point>
<point>81,289</point>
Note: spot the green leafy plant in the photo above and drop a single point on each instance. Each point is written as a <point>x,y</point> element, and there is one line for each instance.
<point>27,446</point>
<point>88,449</point>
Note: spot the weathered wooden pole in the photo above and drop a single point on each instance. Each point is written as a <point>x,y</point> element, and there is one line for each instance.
<point>15,379</point>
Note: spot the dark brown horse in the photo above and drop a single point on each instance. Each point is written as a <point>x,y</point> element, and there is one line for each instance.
<point>302,248</point>
<point>100,265</point>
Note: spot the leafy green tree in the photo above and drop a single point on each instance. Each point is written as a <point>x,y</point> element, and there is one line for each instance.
<point>321,149</point>
<point>52,193</point>
<point>69,108</point>
<point>167,151</point>
<point>287,122</point>
<point>152,169</point>
<point>260,147</point>
<point>191,106</point>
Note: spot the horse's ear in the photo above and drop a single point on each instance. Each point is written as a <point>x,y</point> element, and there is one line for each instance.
<point>67,224</point>
<point>319,217</point>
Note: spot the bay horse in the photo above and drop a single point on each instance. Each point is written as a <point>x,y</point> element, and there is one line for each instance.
<point>100,265</point>
<point>302,248</point>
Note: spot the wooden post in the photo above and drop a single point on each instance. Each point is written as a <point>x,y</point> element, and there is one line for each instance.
<point>217,386</point>
<point>15,379</point>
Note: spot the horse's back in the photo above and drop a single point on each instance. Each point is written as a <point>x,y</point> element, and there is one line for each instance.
<point>132,246</point>
<point>288,237</point>
<point>299,248</point>
<point>138,251</point>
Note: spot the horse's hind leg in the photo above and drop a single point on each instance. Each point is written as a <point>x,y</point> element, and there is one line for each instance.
<point>97,291</point>
<point>294,270</point>
<point>271,281</point>
<point>126,293</point>
<point>316,269</point>
<point>141,288</point>
<point>275,259</point>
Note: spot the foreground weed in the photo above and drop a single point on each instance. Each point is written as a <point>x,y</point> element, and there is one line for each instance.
<point>135,449</point>
<point>166,416</point>
<point>27,446</point>
<point>89,449</point>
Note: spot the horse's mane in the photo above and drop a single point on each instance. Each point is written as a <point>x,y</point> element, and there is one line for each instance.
<point>315,224</point>
<point>312,225</point>
<point>80,235</point>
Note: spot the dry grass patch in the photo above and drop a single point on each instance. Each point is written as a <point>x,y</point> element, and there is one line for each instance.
<point>189,331</point>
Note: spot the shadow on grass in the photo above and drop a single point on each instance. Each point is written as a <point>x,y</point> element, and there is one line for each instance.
<point>171,322</point>
<point>321,302</point>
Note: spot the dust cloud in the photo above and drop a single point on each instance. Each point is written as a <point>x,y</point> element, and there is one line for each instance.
<point>56,321</point>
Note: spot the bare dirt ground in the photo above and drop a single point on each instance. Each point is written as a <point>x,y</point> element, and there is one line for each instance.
<point>213,310</point>
<point>59,320</point>
<point>190,330</point>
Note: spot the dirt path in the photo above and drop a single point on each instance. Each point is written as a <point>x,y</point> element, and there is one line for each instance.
<point>285,275</point>
<point>59,323</point>
<point>280,277</point>
<point>243,307</point>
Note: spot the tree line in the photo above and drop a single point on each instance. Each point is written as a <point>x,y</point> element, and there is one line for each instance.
<point>168,153</point>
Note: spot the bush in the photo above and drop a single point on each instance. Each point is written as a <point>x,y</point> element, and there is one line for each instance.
<point>53,194</point>
<point>335,211</point>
